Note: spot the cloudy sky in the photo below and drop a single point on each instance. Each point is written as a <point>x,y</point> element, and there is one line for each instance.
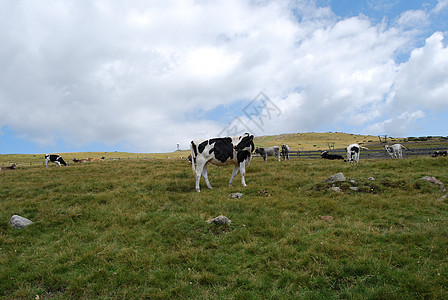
<point>142,76</point>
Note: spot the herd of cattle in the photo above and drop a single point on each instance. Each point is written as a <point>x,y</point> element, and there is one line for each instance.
<point>237,151</point>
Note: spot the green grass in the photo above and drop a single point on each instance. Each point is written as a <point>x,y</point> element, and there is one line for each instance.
<point>137,229</point>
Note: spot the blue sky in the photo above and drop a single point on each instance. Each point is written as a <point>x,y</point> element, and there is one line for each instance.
<point>142,76</point>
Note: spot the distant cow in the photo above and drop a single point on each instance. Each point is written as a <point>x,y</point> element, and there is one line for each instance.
<point>80,160</point>
<point>439,153</point>
<point>285,152</point>
<point>90,159</point>
<point>235,151</point>
<point>268,151</point>
<point>12,167</point>
<point>353,152</point>
<point>57,159</point>
<point>395,151</point>
<point>330,156</point>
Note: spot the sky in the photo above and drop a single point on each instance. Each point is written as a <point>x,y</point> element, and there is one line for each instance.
<point>147,76</point>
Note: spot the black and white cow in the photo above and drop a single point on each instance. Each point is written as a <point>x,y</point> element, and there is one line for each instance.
<point>285,152</point>
<point>353,152</point>
<point>395,151</point>
<point>57,159</point>
<point>236,150</point>
<point>439,153</point>
<point>330,156</point>
<point>268,151</point>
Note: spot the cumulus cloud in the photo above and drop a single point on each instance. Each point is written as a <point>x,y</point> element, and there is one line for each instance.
<point>422,80</point>
<point>150,75</point>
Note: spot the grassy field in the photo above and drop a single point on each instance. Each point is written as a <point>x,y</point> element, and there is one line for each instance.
<point>130,229</point>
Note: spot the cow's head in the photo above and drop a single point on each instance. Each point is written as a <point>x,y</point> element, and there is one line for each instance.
<point>246,143</point>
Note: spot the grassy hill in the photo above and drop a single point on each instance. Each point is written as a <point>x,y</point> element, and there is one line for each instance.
<point>316,141</point>
<point>132,229</point>
<point>296,141</point>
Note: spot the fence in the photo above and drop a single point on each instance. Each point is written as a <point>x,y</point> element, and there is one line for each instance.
<point>365,154</point>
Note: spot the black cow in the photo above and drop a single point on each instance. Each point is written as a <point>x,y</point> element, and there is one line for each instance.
<point>57,159</point>
<point>330,156</point>
<point>235,151</point>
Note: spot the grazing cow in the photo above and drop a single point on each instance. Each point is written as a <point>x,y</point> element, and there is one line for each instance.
<point>235,151</point>
<point>330,156</point>
<point>395,151</point>
<point>268,151</point>
<point>285,152</point>
<point>439,153</point>
<point>12,167</point>
<point>353,152</point>
<point>57,159</point>
<point>80,160</point>
<point>90,159</point>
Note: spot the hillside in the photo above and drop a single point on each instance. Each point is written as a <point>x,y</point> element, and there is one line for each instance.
<point>297,141</point>
<point>317,140</point>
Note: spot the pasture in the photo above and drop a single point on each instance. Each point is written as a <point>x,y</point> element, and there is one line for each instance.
<point>130,229</point>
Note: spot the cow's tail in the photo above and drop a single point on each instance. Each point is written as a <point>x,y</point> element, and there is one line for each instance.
<point>365,148</point>
<point>193,158</point>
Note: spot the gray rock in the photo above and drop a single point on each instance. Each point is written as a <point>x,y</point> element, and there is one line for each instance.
<point>354,188</point>
<point>336,177</point>
<point>220,220</point>
<point>236,195</point>
<point>19,222</point>
<point>435,181</point>
<point>371,178</point>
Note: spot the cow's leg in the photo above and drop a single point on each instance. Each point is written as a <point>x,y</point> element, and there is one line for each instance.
<point>243,172</point>
<point>205,175</point>
<point>235,171</point>
<point>265,158</point>
<point>46,163</point>
<point>199,168</point>
<point>58,163</point>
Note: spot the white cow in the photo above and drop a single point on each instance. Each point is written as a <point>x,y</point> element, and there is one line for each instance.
<point>236,150</point>
<point>395,151</point>
<point>353,152</point>
<point>285,152</point>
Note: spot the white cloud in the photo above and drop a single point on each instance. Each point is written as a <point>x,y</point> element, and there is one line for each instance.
<point>399,125</point>
<point>422,81</point>
<point>441,5</point>
<point>413,19</point>
<point>145,73</point>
